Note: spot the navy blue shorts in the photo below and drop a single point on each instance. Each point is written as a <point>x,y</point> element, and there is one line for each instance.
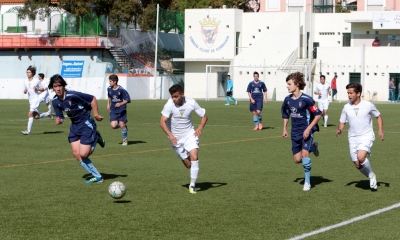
<point>118,116</point>
<point>86,132</point>
<point>299,143</point>
<point>258,105</point>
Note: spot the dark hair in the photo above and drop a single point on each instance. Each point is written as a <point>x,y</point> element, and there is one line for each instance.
<point>298,79</point>
<point>356,86</point>
<point>228,75</point>
<point>56,78</point>
<point>322,76</point>
<point>32,69</point>
<point>41,75</point>
<point>113,77</point>
<point>175,88</point>
<point>256,73</point>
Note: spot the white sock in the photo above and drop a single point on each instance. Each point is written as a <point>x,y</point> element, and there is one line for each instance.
<point>30,122</point>
<point>194,172</point>
<point>326,119</point>
<point>44,114</point>
<point>49,107</point>
<point>366,169</point>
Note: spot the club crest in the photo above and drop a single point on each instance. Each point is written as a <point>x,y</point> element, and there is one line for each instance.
<point>209,31</point>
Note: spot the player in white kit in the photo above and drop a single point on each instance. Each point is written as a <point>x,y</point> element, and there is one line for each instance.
<point>176,121</point>
<point>32,87</point>
<point>361,134</point>
<point>44,96</point>
<point>323,89</point>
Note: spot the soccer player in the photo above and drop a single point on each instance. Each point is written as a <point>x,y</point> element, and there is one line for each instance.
<point>305,116</point>
<point>32,87</point>
<point>229,91</point>
<point>118,97</point>
<point>361,135</point>
<point>323,89</point>
<point>176,121</point>
<point>257,92</point>
<point>83,135</point>
<point>44,96</point>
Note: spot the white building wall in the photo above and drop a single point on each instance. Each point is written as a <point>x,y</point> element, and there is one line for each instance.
<point>347,60</point>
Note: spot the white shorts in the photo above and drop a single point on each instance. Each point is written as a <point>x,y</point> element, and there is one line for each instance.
<point>363,142</point>
<point>185,145</point>
<point>34,105</point>
<point>323,105</point>
<point>44,98</point>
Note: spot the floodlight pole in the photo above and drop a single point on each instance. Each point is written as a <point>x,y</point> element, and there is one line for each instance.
<point>155,55</point>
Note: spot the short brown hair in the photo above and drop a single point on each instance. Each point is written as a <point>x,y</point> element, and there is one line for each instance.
<point>298,79</point>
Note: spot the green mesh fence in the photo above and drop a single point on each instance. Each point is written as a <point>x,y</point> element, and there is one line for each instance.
<point>70,25</point>
<point>169,21</point>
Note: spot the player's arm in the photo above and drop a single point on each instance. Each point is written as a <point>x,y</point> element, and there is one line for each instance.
<point>164,127</point>
<point>108,104</point>
<point>266,97</point>
<point>284,132</point>
<point>340,129</point>
<point>59,114</point>
<point>317,116</point>
<point>203,122</point>
<point>251,99</point>
<point>380,126</point>
<point>95,109</point>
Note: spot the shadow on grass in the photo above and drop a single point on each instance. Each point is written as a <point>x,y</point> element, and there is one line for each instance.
<point>203,186</point>
<point>330,125</point>
<point>55,132</point>
<point>106,176</point>
<point>315,180</point>
<point>122,201</point>
<point>267,128</point>
<point>364,184</point>
<point>134,142</point>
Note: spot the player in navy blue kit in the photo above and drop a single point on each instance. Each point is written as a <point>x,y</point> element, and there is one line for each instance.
<point>257,92</point>
<point>118,97</point>
<point>83,135</point>
<point>305,116</point>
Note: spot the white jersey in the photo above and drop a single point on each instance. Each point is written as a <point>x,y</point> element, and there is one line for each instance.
<point>180,117</point>
<point>359,117</point>
<point>324,90</point>
<point>44,85</point>
<point>29,85</point>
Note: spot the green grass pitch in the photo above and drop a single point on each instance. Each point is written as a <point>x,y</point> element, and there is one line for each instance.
<point>248,188</point>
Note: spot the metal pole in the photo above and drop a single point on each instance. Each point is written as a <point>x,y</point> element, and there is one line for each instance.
<point>156,50</point>
<point>107,34</point>
<point>207,82</point>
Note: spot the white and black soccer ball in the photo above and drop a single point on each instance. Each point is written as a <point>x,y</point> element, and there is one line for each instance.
<point>117,190</point>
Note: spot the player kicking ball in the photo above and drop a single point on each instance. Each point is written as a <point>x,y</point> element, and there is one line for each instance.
<point>361,134</point>
<point>176,121</point>
<point>305,116</point>
<point>83,136</point>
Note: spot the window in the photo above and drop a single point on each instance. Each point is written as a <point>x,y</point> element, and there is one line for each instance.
<point>355,77</point>
<point>346,39</point>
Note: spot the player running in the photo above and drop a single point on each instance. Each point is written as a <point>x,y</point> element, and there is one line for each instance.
<point>118,98</point>
<point>361,134</point>
<point>305,116</point>
<point>176,121</point>
<point>83,135</point>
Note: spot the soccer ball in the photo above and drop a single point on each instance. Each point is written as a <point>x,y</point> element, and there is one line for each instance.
<point>117,190</point>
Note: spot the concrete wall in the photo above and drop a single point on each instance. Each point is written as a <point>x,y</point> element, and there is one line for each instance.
<point>94,79</point>
<point>344,61</point>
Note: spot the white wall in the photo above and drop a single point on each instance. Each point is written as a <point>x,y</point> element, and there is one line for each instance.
<point>347,60</point>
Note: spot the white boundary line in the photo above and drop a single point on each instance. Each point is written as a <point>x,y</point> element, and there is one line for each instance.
<point>321,230</point>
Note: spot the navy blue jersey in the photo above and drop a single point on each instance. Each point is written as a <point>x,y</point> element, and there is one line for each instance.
<point>76,105</point>
<point>302,111</point>
<point>116,96</point>
<point>257,90</point>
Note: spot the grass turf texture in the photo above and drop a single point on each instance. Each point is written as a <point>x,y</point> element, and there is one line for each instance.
<point>248,186</point>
